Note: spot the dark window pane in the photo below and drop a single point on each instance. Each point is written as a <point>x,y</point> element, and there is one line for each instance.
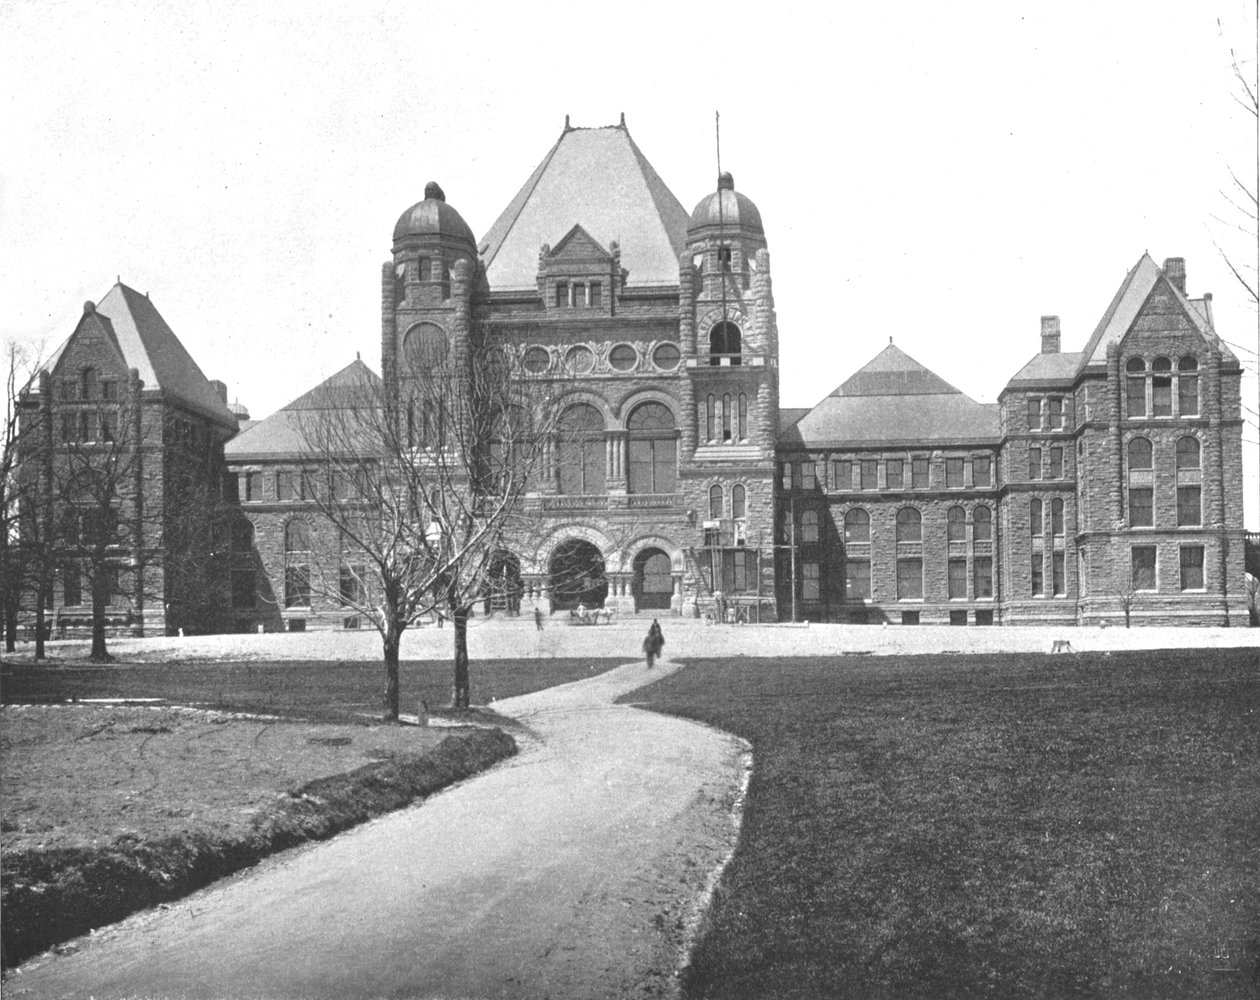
<point>984,576</point>
<point>957,578</point>
<point>981,470</point>
<point>909,579</point>
<point>895,474</point>
<point>1189,506</point>
<point>1192,567</point>
<point>1144,567</point>
<point>1141,507</point>
<point>858,579</point>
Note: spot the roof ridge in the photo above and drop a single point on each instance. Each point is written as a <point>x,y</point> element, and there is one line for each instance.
<point>521,199</point>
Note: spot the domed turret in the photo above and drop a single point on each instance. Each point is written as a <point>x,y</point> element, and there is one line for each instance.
<point>727,209</point>
<point>432,219</point>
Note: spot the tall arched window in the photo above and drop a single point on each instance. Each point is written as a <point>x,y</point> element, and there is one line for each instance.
<point>1188,453</point>
<point>909,525</point>
<point>710,417</point>
<point>809,525</point>
<point>580,450</point>
<point>1056,517</point>
<point>737,501</point>
<point>743,417</point>
<point>1161,388</point>
<point>87,383</point>
<point>1035,525</point>
<point>857,526</point>
<point>653,450</point>
<point>1140,454</point>
<point>726,417</point>
<point>1135,387</point>
<point>1187,386</point>
<point>1141,484</point>
<point>425,346</point>
<point>724,343</point>
<point>715,501</point>
<point>982,530</point>
<point>956,524</point>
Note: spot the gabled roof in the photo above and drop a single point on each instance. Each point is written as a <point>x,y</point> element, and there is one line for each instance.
<point>893,400</point>
<point>599,179</point>
<point>1050,368</point>
<point>285,432</point>
<point>147,344</point>
<point>1127,304</point>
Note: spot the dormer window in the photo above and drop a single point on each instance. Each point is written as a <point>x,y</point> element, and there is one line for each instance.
<point>724,257</point>
<point>87,383</point>
<point>579,294</point>
<point>594,300</point>
<point>562,294</point>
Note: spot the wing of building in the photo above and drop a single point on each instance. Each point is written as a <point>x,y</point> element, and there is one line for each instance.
<point>1104,485</point>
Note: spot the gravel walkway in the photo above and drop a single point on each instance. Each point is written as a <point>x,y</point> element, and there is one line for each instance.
<point>577,870</point>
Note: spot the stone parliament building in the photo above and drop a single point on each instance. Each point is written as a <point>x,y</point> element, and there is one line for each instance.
<point>1104,483</point>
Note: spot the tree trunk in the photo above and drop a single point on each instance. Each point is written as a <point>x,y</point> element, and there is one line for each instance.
<point>10,628</point>
<point>460,618</point>
<point>391,642</point>
<point>99,653</point>
<point>39,625</point>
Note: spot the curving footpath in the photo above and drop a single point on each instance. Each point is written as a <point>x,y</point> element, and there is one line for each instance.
<point>576,870</point>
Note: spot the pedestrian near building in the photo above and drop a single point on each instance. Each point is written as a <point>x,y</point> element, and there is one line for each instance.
<point>653,643</point>
<point>538,619</point>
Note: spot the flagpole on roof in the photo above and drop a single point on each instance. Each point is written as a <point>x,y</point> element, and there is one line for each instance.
<point>717,135</point>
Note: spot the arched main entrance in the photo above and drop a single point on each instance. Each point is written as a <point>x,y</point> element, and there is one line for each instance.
<point>503,584</point>
<point>576,576</point>
<point>653,581</point>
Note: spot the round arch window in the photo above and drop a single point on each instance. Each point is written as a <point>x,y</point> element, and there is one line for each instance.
<point>666,357</point>
<point>579,359</point>
<point>425,345</point>
<point>536,360</point>
<point>623,357</point>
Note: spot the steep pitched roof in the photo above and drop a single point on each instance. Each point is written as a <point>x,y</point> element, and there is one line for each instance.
<point>147,344</point>
<point>285,432</point>
<point>892,372</point>
<point>1050,368</point>
<point>598,178</point>
<point>1127,304</point>
<point>894,399</point>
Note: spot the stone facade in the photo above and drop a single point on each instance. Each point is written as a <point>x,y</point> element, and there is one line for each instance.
<point>122,430</point>
<point>1105,484</point>
<point>1116,489</point>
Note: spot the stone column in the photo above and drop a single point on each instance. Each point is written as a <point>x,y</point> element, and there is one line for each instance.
<point>687,338</point>
<point>1115,488</point>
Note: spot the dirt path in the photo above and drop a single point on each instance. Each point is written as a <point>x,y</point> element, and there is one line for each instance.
<point>572,871</point>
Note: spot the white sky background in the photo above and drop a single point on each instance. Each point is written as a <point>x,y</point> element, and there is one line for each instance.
<point>941,174</point>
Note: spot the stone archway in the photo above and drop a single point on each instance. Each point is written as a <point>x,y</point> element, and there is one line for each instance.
<point>576,576</point>
<point>653,581</point>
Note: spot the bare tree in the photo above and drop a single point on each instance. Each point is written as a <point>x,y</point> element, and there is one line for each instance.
<point>17,438</point>
<point>420,477</point>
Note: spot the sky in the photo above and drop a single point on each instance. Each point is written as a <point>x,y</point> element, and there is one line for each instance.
<point>941,174</point>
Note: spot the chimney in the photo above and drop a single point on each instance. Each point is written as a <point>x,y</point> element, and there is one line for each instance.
<point>1049,334</point>
<point>1175,271</point>
<point>220,390</point>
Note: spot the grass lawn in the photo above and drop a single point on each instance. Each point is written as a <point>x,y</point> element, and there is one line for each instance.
<point>1004,826</point>
<point>319,690</point>
<point>109,808</point>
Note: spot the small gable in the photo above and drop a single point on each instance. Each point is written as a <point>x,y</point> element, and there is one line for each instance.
<point>92,345</point>
<point>1163,312</point>
<point>578,246</point>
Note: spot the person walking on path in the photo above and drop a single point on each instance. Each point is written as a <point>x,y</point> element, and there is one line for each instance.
<point>653,643</point>
<point>538,619</point>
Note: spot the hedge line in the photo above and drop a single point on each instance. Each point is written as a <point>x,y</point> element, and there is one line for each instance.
<point>50,896</point>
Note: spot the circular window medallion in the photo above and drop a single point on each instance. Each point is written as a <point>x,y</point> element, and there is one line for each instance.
<point>579,359</point>
<point>666,357</point>
<point>623,357</point>
<point>536,360</point>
